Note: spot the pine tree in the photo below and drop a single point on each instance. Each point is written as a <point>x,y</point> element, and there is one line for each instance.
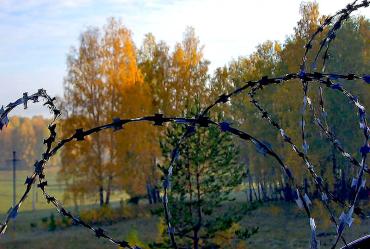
<point>204,175</point>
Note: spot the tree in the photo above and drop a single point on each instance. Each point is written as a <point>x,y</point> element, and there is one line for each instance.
<point>133,150</point>
<point>189,73</point>
<point>203,177</point>
<point>155,65</point>
<point>176,79</point>
<point>284,101</point>
<point>104,82</point>
<point>84,107</point>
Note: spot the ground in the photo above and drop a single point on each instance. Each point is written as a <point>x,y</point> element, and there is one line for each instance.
<point>281,225</point>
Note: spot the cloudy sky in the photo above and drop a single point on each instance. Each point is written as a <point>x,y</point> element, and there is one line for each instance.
<point>35,35</point>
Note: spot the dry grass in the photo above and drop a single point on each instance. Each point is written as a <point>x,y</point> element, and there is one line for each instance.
<point>281,225</point>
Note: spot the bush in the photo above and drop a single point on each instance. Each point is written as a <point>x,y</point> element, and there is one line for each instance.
<point>100,216</point>
<point>52,225</point>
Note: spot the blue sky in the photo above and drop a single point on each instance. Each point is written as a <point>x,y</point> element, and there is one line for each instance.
<point>35,35</point>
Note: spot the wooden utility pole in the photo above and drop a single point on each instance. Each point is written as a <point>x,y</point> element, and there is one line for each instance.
<point>14,161</point>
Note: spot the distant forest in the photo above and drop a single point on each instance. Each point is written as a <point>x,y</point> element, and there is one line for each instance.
<point>25,136</point>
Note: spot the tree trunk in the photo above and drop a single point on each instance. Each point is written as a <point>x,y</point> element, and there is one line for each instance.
<point>109,188</point>
<point>100,172</point>
<point>149,192</point>
<point>101,196</point>
<point>264,191</point>
<point>188,177</point>
<point>157,194</point>
<point>259,191</point>
<point>154,194</point>
<point>271,191</point>
<point>337,180</point>
<point>254,192</point>
<point>250,189</point>
<point>277,191</point>
<point>199,211</point>
<point>195,239</point>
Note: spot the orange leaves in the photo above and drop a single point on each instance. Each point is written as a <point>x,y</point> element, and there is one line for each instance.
<point>108,78</point>
<point>104,82</point>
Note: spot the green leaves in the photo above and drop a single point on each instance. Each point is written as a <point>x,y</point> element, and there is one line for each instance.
<point>246,233</point>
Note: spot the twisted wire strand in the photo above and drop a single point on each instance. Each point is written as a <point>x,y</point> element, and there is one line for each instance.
<point>4,120</point>
<point>40,94</point>
<point>343,15</point>
<point>348,10</point>
<point>318,180</point>
<point>99,232</point>
<point>345,218</point>
<point>117,124</point>
<point>203,121</point>
<point>158,119</point>
<point>324,79</point>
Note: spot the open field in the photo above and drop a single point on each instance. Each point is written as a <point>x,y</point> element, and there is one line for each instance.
<point>54,188</point>
<point>281,225</point>
<point>6,189</point>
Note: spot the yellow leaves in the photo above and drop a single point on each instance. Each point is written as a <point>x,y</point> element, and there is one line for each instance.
<point>105,82</point>
<point>161,228</point>
<point>179,56</point>
<point>119,55</point>
<point>277,47</point>
<point>225,238</point>
<point>188,73</point>
<point>133,239</point>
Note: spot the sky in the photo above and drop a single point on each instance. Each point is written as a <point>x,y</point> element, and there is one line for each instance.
<point>36,35</point>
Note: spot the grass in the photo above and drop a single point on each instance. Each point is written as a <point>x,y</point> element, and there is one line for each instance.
<point>6,189</point>
<point>54,188</point>
<point>281,225</point>
<point>21,234</point>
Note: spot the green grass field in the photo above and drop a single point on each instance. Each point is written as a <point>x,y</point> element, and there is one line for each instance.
<point>6,189</point>
<point>54,188</point>
<point>281,225</point>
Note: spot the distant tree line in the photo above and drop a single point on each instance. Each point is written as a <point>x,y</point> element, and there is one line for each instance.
<point>24,136</point>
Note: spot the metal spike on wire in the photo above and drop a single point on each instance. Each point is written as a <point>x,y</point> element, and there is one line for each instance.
<point>307,78</point>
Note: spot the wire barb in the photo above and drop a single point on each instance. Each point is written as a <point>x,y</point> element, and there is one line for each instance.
<point>328,80</point>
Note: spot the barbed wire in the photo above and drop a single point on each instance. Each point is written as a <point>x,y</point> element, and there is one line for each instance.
<point>202,120</point>
<point>4,120</point>
<point>358,183</point>
<point>345,218</point>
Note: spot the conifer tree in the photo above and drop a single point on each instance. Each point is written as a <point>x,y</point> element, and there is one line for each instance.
<point>204,175</point>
